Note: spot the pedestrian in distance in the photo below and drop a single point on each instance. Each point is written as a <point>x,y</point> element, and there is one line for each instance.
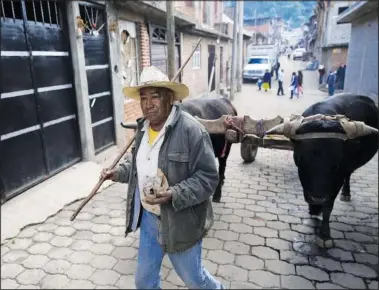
<point>340,77</point>
<point>277,67</point>
<point>293,85</point>
<point>300,83</point>
<point>267,80</point>
<point>175,216</point>
<point>259,83</point>
<point>280,82</point>
<point>321,71</point>
<point>331,82</point>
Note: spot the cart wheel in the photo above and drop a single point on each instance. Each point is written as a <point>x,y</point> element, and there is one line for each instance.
<point>248,152</point>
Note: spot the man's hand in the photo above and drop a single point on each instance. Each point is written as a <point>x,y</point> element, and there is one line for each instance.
<point>108,174</point>
<point>162,197</point>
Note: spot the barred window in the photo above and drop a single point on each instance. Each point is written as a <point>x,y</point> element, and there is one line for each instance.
<point>94,19</point>
<point>43,12</point>
<point>11,10</point>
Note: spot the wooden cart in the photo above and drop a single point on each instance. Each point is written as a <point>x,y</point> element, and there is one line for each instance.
<point>245,130</point>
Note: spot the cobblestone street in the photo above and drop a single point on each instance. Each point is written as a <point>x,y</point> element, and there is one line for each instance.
<point>263,236</point>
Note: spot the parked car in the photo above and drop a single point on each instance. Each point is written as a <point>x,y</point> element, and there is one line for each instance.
<point>256,67</point>
<point>298,53</point>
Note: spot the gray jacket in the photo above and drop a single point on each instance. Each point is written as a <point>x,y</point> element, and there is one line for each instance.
<point>187,160</point>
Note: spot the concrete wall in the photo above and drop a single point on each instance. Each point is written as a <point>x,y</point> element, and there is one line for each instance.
<point>362,63</point>
<point>332,58</point>
<point>336,33</point>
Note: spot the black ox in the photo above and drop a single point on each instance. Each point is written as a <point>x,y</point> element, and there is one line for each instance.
<point>325,158</point>
<point>214,108</point>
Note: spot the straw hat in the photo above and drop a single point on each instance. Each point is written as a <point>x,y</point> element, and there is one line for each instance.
<point>153,77</point>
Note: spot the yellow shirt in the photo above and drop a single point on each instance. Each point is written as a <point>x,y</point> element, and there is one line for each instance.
<point>152,136</point>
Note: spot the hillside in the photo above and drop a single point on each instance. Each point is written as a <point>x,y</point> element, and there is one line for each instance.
<point>295,13</point>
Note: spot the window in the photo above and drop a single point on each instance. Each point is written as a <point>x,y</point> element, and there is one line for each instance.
<point>94,19</point>
<point>37,11</point>
<point>342,9</point>
<point>258,61</point>
<point>196,58</point>
<point>11,10</point>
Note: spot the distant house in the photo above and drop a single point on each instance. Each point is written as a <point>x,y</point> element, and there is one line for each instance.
<point>362,60</point>
<point>270,27</point>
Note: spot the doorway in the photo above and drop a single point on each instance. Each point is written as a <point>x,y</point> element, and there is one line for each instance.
<point>211,62</point>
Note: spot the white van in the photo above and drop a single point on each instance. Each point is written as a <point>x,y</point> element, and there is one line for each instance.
<point>257,66</point>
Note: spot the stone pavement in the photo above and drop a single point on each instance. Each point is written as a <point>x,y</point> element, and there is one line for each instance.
<point>262,237</point>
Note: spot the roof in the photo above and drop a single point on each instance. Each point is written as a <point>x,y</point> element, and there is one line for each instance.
<point>357,10</point>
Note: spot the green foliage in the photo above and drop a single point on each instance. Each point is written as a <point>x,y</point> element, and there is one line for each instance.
<point>294,12</point>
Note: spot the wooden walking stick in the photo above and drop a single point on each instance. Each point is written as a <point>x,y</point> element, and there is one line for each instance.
<point>123,152</point>
<point>102,179</point>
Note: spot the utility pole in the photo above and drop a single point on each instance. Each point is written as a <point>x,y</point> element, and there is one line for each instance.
<point>234,52</point>
<point>240,47</point>
<point>170,23</point>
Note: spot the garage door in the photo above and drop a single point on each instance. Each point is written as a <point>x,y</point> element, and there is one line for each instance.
<point>96,53</point>
<point>158,36</point>
<point>38,115</point>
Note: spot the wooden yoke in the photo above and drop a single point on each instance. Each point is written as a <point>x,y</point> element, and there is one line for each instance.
<point>248,125</point>
<point>217,126</point>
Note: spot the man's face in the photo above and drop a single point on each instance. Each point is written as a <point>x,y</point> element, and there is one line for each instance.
<point>156,104</point>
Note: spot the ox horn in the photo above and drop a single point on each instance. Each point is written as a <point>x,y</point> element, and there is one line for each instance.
<point>355,129</point>
<point>287,128</point>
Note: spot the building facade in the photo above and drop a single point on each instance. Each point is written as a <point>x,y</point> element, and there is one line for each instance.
<point>60,102</point>
<point>362,59</point>
<point>63,71</point>
<point>331,45</point>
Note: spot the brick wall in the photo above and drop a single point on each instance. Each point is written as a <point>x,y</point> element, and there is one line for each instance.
<point>132,109</point>
<point>197,79</point>
<point>144,45</point>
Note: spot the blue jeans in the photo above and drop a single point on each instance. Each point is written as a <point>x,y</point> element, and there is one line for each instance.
<point>331,90</point>
<point>187,264</point>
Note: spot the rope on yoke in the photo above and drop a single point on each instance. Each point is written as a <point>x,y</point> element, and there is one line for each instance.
<point>229,122</point>
<point>260,129</point>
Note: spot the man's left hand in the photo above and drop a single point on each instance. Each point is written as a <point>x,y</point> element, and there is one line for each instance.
<point>161,198</point>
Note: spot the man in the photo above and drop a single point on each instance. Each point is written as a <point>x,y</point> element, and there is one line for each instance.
<point>176,219</point>
<point>331,82</point>
<point>277,67</point>
<point>293,85</point>
<point>321,71</point>
<point>340,77</point>
<point>280,82</point>
<point>343,73</point>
